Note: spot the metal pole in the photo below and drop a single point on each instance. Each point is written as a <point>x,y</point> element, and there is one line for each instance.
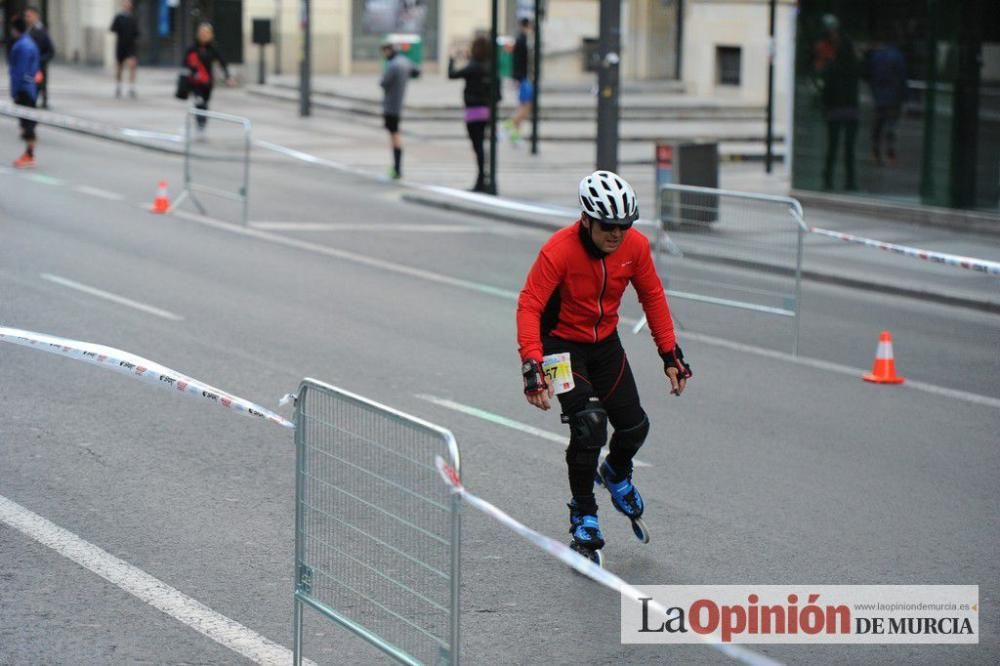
<point>536,74</point>
<point>679,47</point>
<point>261,67</point>
<point>277,37</point>
<point>305,67</point>
<point>491,186</point>
<point>607,86</point>
<point>768,155</point>
<point>300,471</point>
<point>456,580</point>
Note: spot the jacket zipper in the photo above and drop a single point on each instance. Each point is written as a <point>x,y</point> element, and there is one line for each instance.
<point>600,299</point>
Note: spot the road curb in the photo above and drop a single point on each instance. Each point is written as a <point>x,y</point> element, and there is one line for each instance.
<point>552,222</point>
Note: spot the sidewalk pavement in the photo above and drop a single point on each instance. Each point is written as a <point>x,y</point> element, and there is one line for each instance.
<point>541,190</point>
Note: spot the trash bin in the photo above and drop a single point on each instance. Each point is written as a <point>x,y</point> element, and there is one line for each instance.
<point>687,163</point>
<point>410,45</point>
<point>591,56</point>
<point>505,56</point>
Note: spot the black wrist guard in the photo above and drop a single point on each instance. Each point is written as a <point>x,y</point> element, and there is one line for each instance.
<point>534,378</point>
<point>675,359</point>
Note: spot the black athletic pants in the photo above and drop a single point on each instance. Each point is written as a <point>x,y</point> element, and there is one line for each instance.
<point>201,96</point>
<point>600,371</point>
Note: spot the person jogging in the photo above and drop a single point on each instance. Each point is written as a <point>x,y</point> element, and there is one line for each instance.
<point>398,71</point>
<point>200,60</point>
<point>569,304</point>
<point>126,29</point>
<point>23,63</point>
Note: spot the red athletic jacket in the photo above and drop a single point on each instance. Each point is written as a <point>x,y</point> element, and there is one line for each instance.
<point>574,295</point>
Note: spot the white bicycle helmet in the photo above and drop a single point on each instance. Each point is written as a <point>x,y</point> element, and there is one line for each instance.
<point>607,197</point>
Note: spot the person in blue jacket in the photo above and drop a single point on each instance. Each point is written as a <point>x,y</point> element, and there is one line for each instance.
<point>23,63</point>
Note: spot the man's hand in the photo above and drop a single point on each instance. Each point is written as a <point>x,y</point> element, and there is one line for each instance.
<point>676,369</point>
<point>537,390</point>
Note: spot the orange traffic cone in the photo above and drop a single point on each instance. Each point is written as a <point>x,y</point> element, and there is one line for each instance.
<point>884,367</point>
<point>161,204</point>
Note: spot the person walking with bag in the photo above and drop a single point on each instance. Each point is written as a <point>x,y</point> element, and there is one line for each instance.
<point>478,75</point>
<point>200,60</point>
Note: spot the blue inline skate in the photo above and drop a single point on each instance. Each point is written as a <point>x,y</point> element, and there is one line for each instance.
<point>624,496</point>
<point>587,537</point>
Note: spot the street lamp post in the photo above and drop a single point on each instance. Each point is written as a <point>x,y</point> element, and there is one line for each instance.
<point>305,67</point>
<point>769,156</point>
<point>607,85</point>
<point>537,74</point>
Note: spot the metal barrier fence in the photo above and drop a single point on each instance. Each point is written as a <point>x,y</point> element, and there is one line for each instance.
<point>242,148</point>
<point>738,229</point>
<point>377,534</point>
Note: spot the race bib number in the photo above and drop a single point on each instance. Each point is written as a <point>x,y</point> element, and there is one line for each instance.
<point>558,372</point>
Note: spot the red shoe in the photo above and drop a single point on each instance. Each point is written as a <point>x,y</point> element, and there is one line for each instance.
<point>25,161</point>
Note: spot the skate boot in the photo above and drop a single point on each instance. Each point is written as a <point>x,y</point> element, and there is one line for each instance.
<point>625,497</point>
<point>587,537</point>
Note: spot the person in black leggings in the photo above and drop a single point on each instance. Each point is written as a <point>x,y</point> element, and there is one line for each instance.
<point>200,59</point>
<point>478,79</point>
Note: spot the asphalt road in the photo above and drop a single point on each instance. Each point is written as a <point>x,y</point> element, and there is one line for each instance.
<point>768,470</point>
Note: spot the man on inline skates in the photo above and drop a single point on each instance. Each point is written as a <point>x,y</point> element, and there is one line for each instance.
<point>569,303</point>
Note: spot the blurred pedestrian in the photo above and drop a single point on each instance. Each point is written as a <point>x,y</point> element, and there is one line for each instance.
<point>23,62</point>
<point>521,73</point>
<point>200,59</point>
<point>46,51</point>
<point>478,75</point>
<point>126,29</point>
<point>398,71</point>
<point>886,70</point>
<point>836,65</point>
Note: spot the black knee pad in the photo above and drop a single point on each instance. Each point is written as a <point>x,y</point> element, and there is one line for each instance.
<point>588,433</point>
<point>631,439</point>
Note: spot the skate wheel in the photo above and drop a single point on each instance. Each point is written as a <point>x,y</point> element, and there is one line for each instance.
<point>595,556</point>
<point>640,531</point>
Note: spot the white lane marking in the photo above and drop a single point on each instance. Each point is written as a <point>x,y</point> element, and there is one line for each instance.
<point>138,583</point>
<point>362,259</point>
<point>430,276</point>
<point>818,364</point>
<point>114,298</point>
<point>43,179</point>
<point>507,423</point>
<point>98,192</point>
<point>367,227</point>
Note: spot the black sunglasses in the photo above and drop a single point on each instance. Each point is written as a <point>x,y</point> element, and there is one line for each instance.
<point>608,227</point>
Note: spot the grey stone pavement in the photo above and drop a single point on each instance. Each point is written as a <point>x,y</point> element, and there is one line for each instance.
<point>345,133</point>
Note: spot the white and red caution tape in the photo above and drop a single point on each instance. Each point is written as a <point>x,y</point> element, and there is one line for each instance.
<point>970,263</point>
<point>138,368</point>
<point>584,566</point>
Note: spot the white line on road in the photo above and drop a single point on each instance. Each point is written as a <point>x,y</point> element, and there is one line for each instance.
<point>365,260</point>
<point>43,179</point>
<point>138,583</point>
<point>367,227</point>
<point>431,276</point>
<point>121,300</point>
<point>818,364</point>
<point>507,423</point>
<point>98,192</point>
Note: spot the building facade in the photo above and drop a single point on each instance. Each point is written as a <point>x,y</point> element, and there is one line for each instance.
<point>899,100</point>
